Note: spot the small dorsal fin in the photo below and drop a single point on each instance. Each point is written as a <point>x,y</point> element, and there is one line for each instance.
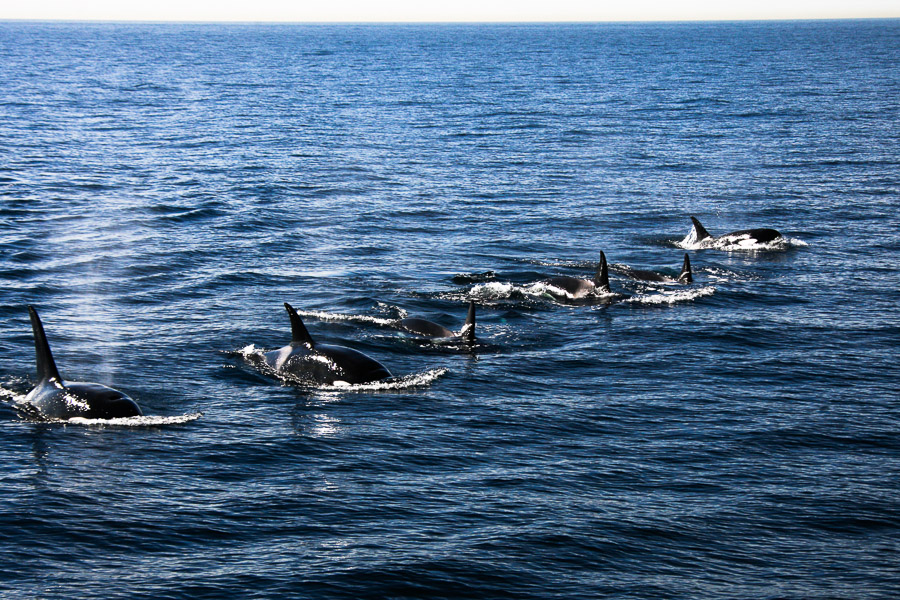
<point>601,278</point>
<point>468,330</point>
<point>701,231</point>
<point>46,367</point>
<point>686,276</point>
<point>299,334</point>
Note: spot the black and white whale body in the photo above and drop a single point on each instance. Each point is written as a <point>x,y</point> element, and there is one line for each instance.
<point>685,277</point>
<point>577,288</point>
<point>430,329</point>
<point>55,398</point>
<point>699,238</point>
<point>322,363</point>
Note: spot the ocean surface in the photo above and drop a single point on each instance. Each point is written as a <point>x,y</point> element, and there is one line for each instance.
<point>164,189</point>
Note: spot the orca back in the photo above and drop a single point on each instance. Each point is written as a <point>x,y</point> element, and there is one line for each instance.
<point>425,328</point>
<point>573,286</point>
<point>353,366</point>
<point>762,235</point>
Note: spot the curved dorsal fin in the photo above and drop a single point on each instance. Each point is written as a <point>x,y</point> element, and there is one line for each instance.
<point>601,278</point>
<point>299,334</point>
<point>686,276</point>
<point>46,367</point>
<point>468,330</point>
<point>700,230</point>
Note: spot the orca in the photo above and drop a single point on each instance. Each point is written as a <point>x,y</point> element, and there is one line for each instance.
<point>322,363</point>
<point>701,238</point>
<point>577,288</point>
<point>55,398</point>
<point>429,329</point>
<point>685,277</point>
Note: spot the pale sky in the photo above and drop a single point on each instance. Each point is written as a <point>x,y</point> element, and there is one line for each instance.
<point>446,11</point>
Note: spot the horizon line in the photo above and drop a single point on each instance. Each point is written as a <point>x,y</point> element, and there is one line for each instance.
<point>426,22</point>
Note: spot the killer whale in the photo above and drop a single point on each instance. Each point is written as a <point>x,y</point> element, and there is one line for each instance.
<point>55,398</point>
<point>577,288</point>
<point>701,238</point>
<point>430,329</point>
<point>322,363</point>
<point>685,276</point>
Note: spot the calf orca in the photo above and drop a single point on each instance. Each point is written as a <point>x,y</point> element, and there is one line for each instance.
<point>54,398</point>
<point>686,276</point>
<point>701,238</point>
<point>577,288</point>
<point>322,363</point>
<point>433,330</point>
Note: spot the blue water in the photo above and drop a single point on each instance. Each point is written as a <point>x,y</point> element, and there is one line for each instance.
<point>165,188</point>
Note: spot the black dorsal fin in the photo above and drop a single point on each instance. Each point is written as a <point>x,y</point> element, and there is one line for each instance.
<point>468,330</point>
<point>299,334</point>
<point>46,367</point>
<point>702,233</point>
<point>601,278</point>
<point>686,276</point>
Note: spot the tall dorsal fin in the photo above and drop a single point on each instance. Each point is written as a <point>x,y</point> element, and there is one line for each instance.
<point>686,276</point>
<point>46,367</point>
<point>468,330</point>
<point>299,334</point>
<point>601,278</point>
<point>700,230</point>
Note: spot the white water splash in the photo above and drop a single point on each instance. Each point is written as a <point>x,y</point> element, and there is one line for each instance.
<point>342,317</point>
<point>741,243</point>
<point>672,297</point>
<point>538,289</point>
<point>396,383</point>
<point>75,403</point>
<point>11,395</point>
<point>248,351</point>
<point>142,421</point>
<point>503,291</point>
<point>493,290</point>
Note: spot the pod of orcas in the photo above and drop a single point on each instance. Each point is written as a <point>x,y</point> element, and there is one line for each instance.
<point>54,398</point>
<point>575,288</point>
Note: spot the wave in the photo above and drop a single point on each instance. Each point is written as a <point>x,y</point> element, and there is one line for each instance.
<point>142,421</point>
<point>395,383</point>
<point>11,396</point>
<point>344,317</point>
<point>571,264</point>
<point>537,290</point>
<point>671,297</point>
<point>462,278</point>
<point>721,274</point>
